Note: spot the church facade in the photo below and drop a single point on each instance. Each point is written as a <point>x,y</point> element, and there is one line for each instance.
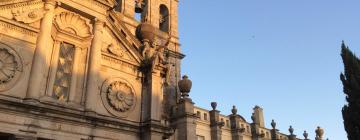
<point>105,70</point>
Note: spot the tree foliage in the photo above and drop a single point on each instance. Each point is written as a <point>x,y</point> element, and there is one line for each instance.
<point>351,82</point>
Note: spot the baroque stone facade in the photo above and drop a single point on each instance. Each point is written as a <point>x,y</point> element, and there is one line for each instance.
<point>89,70</point>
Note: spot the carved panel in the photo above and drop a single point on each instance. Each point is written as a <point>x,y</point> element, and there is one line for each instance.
<point>73,23</point>
<point>10,67</point>
<point>28,16</point>
<point>118,97</point>
<point>7,2</point>
<point>21,9</point>
<point>116,49</point>
<point>64,72</point>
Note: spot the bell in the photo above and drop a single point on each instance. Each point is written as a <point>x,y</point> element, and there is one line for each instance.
<point>138,6</point>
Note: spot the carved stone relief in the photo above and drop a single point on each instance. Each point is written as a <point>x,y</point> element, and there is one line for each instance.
<point>118,97</point>
<point>28,16</point>
<point>10,67</point>
<point>23,11</point>
<point>116,49</point>
<point>73,23</point>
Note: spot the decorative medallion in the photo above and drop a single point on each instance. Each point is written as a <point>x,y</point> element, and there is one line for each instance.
<point>118,97</point>
<point>10,67</point>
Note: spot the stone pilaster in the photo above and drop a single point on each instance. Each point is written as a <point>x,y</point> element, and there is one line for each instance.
<point>186,120</point>
<point>92,85</point>
<point>236,131</point>
<point>292,137</point>
<point>155,90</point>
<point>215,124</point>
<point>74,76</point>
<point>154,128</point>
<point>39,67</point>
<point>273,134</point>
<point>256,135</point>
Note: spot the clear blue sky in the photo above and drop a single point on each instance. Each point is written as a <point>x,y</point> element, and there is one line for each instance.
<point>283,55</point>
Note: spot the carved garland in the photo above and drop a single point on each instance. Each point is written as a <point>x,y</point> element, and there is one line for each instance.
<point>73,23</point>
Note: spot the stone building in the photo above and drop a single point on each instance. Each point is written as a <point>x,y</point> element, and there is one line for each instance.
<point>104,70</point>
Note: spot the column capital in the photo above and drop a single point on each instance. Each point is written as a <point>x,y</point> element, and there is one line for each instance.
<point>98,22</point>
<point>50,2</point>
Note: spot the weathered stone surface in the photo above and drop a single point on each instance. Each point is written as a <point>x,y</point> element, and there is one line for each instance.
<point>77,69</point>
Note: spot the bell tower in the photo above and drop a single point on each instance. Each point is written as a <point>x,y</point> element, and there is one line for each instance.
<point>163,16</point>
<point>158,32</point>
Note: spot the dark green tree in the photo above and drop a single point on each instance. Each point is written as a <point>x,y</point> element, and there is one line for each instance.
<point>351,82</point>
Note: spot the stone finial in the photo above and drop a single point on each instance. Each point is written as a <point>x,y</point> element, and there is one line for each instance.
<point>253,117</point>
<point>185,86</point>
<point>305,134</point>
<point>273,124</point>
<point>234,110</point>
<point>213,105</point>
<point>319,132</point>
<point>291,130</point>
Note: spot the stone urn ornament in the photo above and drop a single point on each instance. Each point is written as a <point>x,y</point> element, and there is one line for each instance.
<point>253,117</point>
<point>214,105</point>
<point>319,132</point>
<point>185,86</point>
<point>234,110</point>
<point>273,124</point>
<point>305,134</point>
<point>291,130</point>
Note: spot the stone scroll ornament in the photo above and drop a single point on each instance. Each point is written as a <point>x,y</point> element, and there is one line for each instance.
<point>118,97</point>
<point>10,67</point>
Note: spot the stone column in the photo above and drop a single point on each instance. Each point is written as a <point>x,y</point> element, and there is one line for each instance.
<point>236,131</point>
<point>92,85</point>
<point>215,124</point>
<point>38,70</point>
<point>74,77</point>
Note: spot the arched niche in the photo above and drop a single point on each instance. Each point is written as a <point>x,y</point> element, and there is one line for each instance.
<point>164,18</point>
